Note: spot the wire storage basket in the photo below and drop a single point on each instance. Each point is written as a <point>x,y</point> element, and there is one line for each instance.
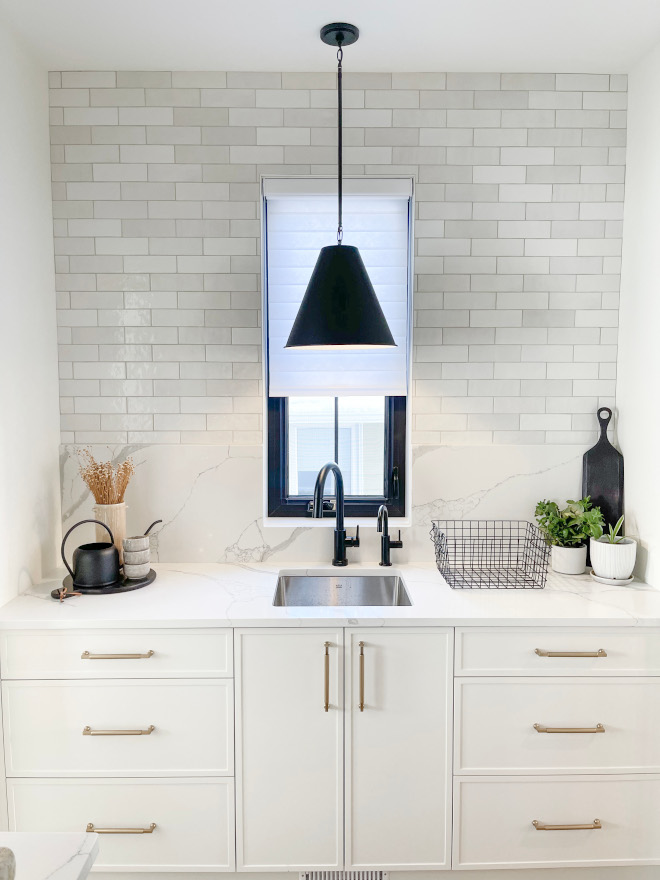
<point>487,554</point>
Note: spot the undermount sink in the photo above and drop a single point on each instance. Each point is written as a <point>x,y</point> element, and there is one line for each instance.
<point>336,589</point>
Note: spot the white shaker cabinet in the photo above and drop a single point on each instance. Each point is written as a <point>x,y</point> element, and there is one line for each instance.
<point>289,756</point>
<point>292,811</point>
<point>398,770</point>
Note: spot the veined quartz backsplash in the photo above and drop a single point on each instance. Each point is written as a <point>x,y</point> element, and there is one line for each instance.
<point>210,499</point>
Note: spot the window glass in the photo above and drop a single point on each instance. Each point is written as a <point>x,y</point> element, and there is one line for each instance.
<point>361,429</point>
<point>349,430</point>
<point>311,436</point>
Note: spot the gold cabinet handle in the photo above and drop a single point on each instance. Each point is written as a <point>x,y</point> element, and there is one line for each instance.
<point>150,830</point>
<point>592,826</point>
<point>326,678</point>
<point>87,731</point>
<point>598,653</point>
<point>87,656</point>
<point>540,728</point>
<point>361,704</point>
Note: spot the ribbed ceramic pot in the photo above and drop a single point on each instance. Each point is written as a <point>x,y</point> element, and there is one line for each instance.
<point>569,560</point>
<point>114,516</point>
<point>613,561</point>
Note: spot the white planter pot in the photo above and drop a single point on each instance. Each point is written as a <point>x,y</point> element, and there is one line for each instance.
<point>569,560</point>
<point>614,561</point>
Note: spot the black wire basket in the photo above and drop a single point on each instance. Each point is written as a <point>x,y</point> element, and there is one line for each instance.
<point>490,554</point>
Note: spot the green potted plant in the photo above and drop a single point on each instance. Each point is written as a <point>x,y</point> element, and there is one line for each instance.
<point>613,555</point>
<point>567,531</point>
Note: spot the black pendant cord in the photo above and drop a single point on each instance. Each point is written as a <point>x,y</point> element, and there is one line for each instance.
<point>340,228</point>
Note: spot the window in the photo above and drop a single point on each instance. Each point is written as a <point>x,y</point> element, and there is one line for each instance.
<point>348,407</point>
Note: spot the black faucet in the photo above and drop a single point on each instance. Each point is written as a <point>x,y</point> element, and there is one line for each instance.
<point>386,543</point>
<point>341,541</point>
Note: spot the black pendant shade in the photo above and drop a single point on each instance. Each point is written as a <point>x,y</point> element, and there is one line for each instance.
<point>340,306</point>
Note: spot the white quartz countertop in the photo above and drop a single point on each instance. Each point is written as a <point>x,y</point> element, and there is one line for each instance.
<point>46,855</point>
<point>195,594</point>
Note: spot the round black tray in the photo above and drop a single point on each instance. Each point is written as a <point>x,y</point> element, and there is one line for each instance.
<point>123,585</point>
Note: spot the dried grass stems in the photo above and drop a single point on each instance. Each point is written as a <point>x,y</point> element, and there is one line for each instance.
<point>106,482</point>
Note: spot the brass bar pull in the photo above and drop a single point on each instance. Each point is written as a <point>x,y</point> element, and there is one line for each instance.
<point>326,703</point>
<point>592,826</point>
<point>598,653</point>
<point>87,656</point>
<point>149,830</point>
<point>361,705</point>
<point>87,731</point>
<point>540,728</point>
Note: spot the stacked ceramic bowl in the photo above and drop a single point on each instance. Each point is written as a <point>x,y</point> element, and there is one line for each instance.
<point>136,557</point>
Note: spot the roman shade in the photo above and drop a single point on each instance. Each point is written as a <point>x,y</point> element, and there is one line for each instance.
<point>300,217</point>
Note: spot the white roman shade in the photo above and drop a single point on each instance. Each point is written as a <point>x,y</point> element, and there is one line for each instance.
<point>300,217</point>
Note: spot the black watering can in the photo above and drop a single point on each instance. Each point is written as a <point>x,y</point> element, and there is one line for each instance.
<point>94,565</point>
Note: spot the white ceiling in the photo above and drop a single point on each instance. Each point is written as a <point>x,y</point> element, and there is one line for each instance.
<point>417,35</point>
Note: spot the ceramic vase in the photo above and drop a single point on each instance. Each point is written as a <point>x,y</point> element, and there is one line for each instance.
<point>613,561</point>
<point>114,516</point>
<point>569,560</point>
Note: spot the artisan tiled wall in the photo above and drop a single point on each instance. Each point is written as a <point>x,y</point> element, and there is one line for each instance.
<point>519,197</point>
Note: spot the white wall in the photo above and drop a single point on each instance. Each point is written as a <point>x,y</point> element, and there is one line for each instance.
<point>639,364</point>
<point>29,421</point>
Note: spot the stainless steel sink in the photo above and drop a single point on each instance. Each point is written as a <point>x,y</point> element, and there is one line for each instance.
<point>335,589</point>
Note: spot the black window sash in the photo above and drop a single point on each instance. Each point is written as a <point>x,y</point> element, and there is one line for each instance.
<point>280,504</point>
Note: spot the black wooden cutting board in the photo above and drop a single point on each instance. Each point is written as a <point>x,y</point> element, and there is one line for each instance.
<point>602,473</point>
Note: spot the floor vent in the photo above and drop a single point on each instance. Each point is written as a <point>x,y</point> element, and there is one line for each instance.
<point>344,875</point>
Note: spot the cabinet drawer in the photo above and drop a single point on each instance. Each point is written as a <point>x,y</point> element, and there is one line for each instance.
<point>133,653</point>
<point>498,651</point>
<point>192,720</point>
<point>495,718</point>
<point>194,819</point>
<point>493,821</point>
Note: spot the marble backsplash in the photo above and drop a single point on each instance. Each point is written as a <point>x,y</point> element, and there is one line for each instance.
<point>210,499</point>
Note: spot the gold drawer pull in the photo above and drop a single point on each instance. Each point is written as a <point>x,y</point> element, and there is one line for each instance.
<point>149,830</point>
<point>361,705</point>
<point>540,728</point>
<point>87,656</point>
<point>87,731</point>
<point>593,826</point>
<point>326,678</point>
<point>598,653</point>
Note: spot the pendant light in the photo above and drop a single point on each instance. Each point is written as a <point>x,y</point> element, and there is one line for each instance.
<point>340,307</point>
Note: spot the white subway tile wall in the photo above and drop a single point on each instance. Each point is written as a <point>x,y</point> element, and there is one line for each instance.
<point>519,205</point>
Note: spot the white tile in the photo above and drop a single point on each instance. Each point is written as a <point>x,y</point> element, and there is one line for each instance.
<point>552,100</point>
<point>68,97</point>
<point>85,79</point>
<point>583,119</point>
<point>91,116</point>
<point>546,288</point>
<point>473,80</point>
<point>116,97</point>
<point>532,192</point>
<point>583,81</point>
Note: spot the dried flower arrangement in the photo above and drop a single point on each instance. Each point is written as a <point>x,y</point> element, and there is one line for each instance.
<point>106,482</point>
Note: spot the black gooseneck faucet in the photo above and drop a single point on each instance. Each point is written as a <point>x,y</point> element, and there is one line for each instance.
<point>386,543</point>
<point>341,541</point>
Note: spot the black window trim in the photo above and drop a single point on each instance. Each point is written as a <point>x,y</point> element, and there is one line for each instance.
<point>394,489</point>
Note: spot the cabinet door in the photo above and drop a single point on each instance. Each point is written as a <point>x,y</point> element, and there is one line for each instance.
<point>289,762</point>
<point>398,771</point>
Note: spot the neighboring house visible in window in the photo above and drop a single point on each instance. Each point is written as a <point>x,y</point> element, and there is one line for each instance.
<point>343,406</point>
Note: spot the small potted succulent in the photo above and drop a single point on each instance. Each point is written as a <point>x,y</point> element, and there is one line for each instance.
<point>613,555</point>
<point>567,531</point>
